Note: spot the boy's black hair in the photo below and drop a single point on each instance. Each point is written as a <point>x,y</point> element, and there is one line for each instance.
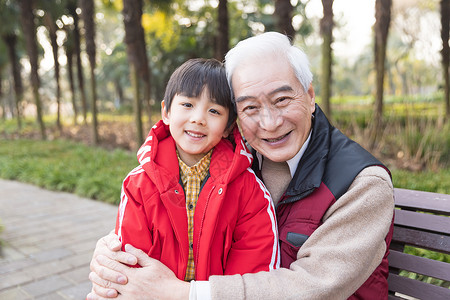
<point>193,76</point>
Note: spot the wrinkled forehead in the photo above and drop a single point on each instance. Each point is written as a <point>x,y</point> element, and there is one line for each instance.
<point>263,79</point>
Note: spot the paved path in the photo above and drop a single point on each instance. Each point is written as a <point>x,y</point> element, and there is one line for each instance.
<point>48,240</point>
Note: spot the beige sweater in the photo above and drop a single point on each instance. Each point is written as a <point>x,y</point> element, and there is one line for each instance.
<point>337,258</point>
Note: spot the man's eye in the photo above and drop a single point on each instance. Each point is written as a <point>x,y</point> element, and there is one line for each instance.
<point>282,101</point>
<point>249,108</point>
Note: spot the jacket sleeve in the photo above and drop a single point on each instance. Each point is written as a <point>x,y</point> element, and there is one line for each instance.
<point>255,244</point>
<point>337,258</point>
<point>132,225</point>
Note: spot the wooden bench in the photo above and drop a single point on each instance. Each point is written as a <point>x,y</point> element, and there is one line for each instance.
<point>415,226</point>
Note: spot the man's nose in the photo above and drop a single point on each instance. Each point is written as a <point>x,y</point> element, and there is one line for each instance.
<point>270,118</point>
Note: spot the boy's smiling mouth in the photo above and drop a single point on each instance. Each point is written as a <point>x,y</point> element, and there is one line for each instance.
<point>194,134</point>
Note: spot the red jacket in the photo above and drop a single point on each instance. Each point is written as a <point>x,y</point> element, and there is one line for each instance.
<point>235,230</point>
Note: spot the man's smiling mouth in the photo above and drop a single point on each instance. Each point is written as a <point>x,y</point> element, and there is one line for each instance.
<point>278,138</point>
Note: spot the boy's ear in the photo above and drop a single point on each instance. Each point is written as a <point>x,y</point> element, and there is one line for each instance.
<point>164,114</point>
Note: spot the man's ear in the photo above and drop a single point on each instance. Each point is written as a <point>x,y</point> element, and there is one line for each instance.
<point>312,96</point>
<point>164,113</point>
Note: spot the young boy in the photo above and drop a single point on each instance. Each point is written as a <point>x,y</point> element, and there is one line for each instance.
<point>193,202</point>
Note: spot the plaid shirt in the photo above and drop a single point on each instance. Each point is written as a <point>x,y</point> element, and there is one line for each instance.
<point>192,178</point>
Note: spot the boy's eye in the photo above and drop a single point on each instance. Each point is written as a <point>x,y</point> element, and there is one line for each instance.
<point>217,111</point>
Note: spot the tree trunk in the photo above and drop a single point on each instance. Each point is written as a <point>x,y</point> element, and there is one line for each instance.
<point>222,37</point>
<point>11,42</point>
<point>382,22</point>
<point>69,55</point>
<point>29,29</point>
<point>119,91</point>
<point>137,107</point>
<point>137,58</point>
<point>143,67</point>
<point>283,17</point>
<point>52,28</point>
<point>445,27</point>
<point>72,7</point>
<point>326,30</point>
<point>87,7</point>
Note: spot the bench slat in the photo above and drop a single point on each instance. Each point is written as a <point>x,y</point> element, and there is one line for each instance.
<point>393,297</point>
<point>417,289</point>
<point>422,220</point>
<point>421,265</point>
<point>426,201</point>
<point>418,238</point>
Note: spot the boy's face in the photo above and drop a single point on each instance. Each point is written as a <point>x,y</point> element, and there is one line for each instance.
<point>197,124</point>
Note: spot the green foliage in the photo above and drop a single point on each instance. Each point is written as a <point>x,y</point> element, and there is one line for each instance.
<point>427,254</point>
<point>414,132</point>
<point>430,181</point>
<point>65,166</point>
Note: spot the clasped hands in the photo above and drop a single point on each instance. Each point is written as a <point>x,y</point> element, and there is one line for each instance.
<point>112,277</point>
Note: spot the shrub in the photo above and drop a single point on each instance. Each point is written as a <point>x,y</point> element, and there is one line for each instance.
<point>65,166</point>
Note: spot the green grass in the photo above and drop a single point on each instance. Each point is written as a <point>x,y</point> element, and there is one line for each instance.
<point>437,182</point>
<point>66,166</point>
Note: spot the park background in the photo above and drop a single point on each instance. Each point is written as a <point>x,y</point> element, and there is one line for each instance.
<point>81,81</point>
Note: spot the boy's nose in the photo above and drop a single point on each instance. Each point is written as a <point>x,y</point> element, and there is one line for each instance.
<point>198,117</point>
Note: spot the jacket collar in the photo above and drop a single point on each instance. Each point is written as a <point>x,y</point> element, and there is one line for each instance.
<point>311,166</point>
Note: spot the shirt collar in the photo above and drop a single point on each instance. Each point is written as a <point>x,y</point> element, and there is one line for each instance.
<point>293,162</point>
<point>200,169</point>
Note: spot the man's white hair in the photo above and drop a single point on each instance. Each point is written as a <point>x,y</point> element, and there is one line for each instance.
<point>265,44</point>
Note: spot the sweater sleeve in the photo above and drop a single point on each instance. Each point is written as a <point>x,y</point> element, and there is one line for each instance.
<point>255,245</point>
<point>132,225</point>
<point>337,258</point>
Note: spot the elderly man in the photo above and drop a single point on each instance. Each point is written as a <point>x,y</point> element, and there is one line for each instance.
<point>334,200</point>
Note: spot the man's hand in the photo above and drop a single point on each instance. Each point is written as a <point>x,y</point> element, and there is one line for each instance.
<point>153,281</point>
<point>103,275</point>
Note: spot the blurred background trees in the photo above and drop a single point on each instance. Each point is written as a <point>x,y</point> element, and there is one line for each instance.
<point>127,49</point>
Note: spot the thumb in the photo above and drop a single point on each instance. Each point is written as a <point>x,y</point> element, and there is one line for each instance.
<point>112,241</point>
<point>142,258</point>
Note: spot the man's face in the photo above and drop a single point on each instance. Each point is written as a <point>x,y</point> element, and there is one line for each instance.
<point>273,109</point>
